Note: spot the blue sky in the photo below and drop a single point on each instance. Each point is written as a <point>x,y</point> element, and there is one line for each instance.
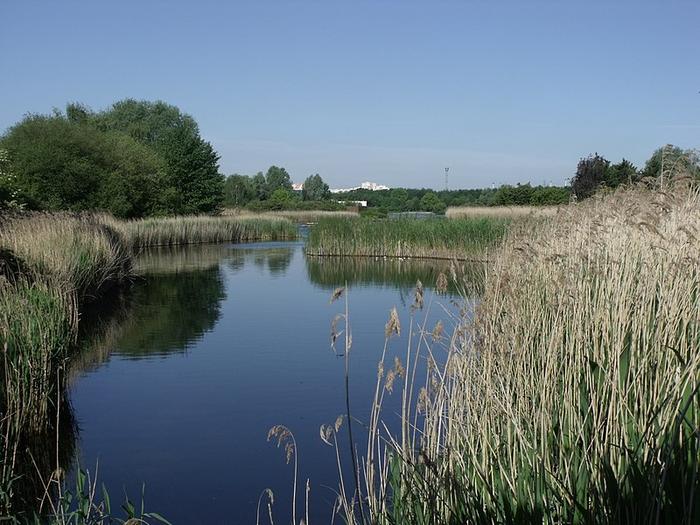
<point>500,91</point>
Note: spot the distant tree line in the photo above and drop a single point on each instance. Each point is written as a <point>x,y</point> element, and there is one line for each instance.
<point>140,158</point>
<point>273,191</point>
<point>135,158</point>
<point>595,172</point>
<point>405,199</point>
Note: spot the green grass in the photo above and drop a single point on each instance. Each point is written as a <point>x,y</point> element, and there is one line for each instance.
<point>463,239</point>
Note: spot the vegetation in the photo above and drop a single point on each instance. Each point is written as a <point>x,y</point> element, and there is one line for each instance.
<point>135,159</point>
<point>296,215</point>
<point>596,172</point>
<point>172,231</point>
<point>513,212</point>
<point>432,238</point>
<point>573,395</point>
<point>51,266</point>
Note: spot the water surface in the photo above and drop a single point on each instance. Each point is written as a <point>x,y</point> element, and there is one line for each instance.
<point>213,346</point>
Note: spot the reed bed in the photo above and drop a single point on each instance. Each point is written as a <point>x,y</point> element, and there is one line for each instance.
<point>464,239</point>
<point>573,395</point>
<point>511,212</point>
<point>296,216</point>
<point>172,231</point>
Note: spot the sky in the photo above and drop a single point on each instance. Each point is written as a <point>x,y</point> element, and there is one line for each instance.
<point>502,92</point>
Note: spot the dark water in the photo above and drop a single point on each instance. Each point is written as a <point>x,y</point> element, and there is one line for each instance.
<point>214,346</point>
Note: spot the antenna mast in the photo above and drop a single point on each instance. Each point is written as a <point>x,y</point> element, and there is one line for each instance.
<point>447,170</point>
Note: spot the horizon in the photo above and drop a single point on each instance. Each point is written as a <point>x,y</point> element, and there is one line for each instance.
<point>502,94</point>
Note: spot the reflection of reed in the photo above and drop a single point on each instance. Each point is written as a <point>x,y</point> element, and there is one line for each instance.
<point>180,259</point>
<point>331,272</point>
<point>38,461</point>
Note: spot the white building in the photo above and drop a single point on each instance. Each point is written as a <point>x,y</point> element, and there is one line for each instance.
<point>367,185</point>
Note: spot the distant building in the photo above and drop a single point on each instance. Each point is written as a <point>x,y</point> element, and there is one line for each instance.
<point>367,185</point>
<point>297,186</point>
<point>360,204</point>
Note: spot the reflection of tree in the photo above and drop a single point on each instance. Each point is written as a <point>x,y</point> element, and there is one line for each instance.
<point>330,272</point>
<point>275,260</point>
<point>170,311</point>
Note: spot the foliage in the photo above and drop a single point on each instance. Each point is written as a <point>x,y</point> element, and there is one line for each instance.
<point>134,159</point>
<point>62,165</point>
<point>192,182</point>
<point>431,202</point>
<point>315,189</point>
<point>590,174</point>
<point>9,189</point>
<point>238,191</point>
<point>277,178</point>
<point>572,395</point>
<point>429,238</point>
<point>671,161</point>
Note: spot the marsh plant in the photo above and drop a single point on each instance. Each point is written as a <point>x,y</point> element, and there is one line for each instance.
<point>572,396</point>
<point>463,239</point>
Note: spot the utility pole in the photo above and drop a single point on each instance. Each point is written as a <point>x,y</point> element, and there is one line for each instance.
<point>447,187</point>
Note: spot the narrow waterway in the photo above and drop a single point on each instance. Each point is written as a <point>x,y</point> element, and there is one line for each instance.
<point>180,383</point>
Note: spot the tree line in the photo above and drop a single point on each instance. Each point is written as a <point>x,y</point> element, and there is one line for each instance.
<point>132,159</point>
<point>139,158</point>
<point>595,172</point>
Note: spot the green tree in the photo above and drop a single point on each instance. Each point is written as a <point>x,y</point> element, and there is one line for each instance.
<point>590,173</point>
<point>431,202</point>
<point>277,178</point>
<point>260,186</point>
<point>624,172</point>
<point>673,161</point>
<point>238,190</point>
<point>281,198</point>
<point>9,190</point>
<point>315,189</point>
<point>63,165</point>
<point>193,181</point>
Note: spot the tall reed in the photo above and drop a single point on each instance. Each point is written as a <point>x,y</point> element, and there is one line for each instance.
<point>573,397</point>
<point>430,238</point>
<point>170,231</point>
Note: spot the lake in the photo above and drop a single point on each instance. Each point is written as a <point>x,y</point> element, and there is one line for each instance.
<point>182,377</point>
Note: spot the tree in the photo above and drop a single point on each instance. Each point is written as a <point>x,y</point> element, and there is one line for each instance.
<point>431,202</point>
<point>315,189</point>
<point>64,165</point>
<point>624,172</point>
<point>590,173</point>
<point>276,178</point>
<point>259,186</point>
<point>9,190</point>
<point>194,184</point>
<point>672,161</point>
<point>281,198</point>
<point>238,190</point>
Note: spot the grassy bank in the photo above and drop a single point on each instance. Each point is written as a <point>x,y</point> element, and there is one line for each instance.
<point>465,239</point>
<point>51,267</point>
<point>575,398</point>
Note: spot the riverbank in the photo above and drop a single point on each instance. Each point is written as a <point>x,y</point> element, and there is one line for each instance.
<point>51,267</point>
<point>461,239</point>
<point>574,398</point>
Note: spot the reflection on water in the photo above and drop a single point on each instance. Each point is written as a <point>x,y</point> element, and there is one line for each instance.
<point>330,272</point>
<point>211,347</point>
